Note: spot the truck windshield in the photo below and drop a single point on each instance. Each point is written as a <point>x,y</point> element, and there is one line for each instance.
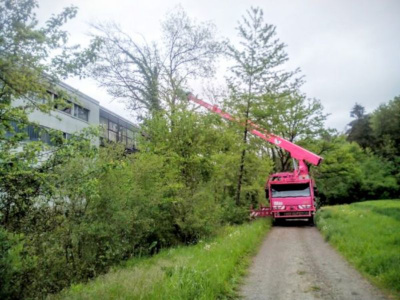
<point>290,190</point>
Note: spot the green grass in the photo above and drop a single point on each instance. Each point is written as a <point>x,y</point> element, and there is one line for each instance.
<point>368,235</point>
<point>209,270</point>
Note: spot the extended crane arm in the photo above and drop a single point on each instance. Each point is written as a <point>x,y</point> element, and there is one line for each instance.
<point>295,151</point>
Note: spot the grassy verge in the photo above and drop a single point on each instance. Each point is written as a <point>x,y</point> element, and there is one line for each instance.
<point>368,235</point>
<point>208,270</point>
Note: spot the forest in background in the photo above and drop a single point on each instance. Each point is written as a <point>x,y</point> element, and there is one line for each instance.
<point>68,217</point>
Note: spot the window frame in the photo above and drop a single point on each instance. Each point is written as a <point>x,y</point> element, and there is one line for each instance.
<point>78,109</point>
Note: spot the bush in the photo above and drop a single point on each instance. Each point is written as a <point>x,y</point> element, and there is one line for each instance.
<point>107,207</point>
<point>15,265</point>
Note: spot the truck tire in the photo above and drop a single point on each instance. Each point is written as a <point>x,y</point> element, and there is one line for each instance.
<point>311,221</point>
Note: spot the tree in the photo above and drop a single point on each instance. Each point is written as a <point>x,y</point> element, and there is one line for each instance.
<point>348,172</point>
<point>31,60</point>
<point>151,76</point>
<point>256,72</point>
<point>360,130</point>
<point>293,117</point>
<point>358,111</point>
<point>385,122</point>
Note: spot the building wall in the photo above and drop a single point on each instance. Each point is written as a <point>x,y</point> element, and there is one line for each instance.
<point>68,122</point>
<point>65,122</point>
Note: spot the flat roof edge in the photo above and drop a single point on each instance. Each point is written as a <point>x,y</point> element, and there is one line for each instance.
<point>83,95</point>
<point>117,115</point>
<point>77,92</point>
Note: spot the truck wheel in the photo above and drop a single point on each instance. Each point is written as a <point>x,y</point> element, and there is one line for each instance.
<point>311,221</point>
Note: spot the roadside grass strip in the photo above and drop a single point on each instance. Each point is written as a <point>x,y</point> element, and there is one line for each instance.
<point>211,269</point>
<point>368,235</point>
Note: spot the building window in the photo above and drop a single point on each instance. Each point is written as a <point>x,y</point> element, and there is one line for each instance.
<point>66,108</point>
<point>113,126</point>
<point>115,129</point>
<point>122,139</point>
<point>45,138</point>
<point>122,134</point>
<point>51,96</point>
<point>129,143</point>
<point>130,134</point>
<point>112,131</point>
<point>33,133</point>
<point>104,127</point>
<point>81,113</point>
<point>112,136</point>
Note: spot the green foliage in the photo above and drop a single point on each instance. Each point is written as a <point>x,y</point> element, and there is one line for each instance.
<point>14,264</point>
<point>209,270</point>
<point>339,172</point>
<point>257,61</point>
<point>256,72</point>
<point>203,151</point>
<point>377,179</point>
<point>69,211</point>
<point>385,122</point>
<point>378,132</point>
<point>104,206</point>
<point>292,117</point>
<point>368,235</point>
<point>360,130</point>
<point>349,173</point>
<point>31,60</point>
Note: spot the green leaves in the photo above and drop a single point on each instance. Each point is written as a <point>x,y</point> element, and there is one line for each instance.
<point>258,58</point>
<point>27,74</point>
<point>349,173</point>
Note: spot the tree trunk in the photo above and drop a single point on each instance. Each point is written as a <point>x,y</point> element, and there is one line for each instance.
<point>243,156</point>
<point>241,170</point>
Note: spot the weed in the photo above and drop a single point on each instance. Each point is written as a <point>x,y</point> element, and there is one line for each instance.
<point>301,272</point>
<point>315,288</point>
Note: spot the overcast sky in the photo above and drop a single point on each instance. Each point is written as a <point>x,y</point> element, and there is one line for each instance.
<point>348,50</point>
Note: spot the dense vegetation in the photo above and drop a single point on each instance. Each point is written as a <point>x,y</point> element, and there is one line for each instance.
<point>350,173</point>
<point>209,270</point>
<point>69,210</point>
<point>368,235</point>
<point>364,163</point>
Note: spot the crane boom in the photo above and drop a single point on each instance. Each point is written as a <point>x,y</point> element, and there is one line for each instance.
<point>295,151</point>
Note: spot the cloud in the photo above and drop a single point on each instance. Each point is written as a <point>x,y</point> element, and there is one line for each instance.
<point>349,51</point>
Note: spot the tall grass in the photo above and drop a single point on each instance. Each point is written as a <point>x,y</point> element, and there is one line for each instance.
<point>209,270</point>
<point>368,235</point>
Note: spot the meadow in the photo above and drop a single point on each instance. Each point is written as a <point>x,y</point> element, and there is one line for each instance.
<point>367,234</point>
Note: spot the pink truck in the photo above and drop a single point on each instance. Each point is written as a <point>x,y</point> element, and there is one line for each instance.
<point>291,194</point>
<point>291,197</point>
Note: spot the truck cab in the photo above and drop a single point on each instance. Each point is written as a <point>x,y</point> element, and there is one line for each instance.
<point>291,196</point>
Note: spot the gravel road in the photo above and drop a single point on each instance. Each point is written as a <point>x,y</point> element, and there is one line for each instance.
<point>295,262</point>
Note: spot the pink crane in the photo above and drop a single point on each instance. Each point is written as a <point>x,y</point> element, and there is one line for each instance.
<point>291,194</point>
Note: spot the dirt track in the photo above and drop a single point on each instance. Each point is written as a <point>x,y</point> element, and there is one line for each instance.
<point>295,262</point>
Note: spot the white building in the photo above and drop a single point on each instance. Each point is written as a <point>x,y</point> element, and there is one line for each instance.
<point>83,111</point>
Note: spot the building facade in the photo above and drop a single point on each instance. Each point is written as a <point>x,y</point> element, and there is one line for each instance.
<point>81,112</point>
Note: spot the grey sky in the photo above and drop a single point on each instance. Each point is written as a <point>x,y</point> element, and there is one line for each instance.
<point>349,51</point>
